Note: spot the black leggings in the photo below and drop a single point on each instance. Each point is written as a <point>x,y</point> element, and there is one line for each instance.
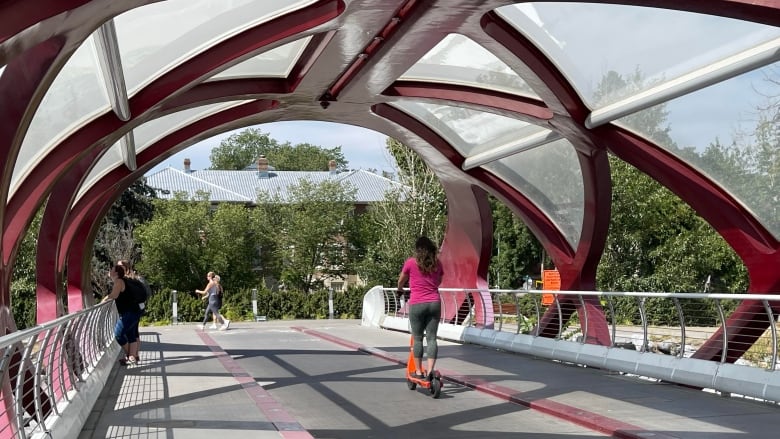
<point>424,317</point>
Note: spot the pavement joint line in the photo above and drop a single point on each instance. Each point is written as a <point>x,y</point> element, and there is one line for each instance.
<point>284,423</point>
<point>584,418</point>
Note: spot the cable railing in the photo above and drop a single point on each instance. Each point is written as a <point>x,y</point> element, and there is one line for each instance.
<point>672,324</point>
<point>44,368</point>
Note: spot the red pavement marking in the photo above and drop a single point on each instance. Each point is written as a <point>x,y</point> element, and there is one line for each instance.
<point>568,413</point>
<point>286,425</point>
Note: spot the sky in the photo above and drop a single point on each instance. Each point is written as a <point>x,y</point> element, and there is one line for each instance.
<point>363,148</point>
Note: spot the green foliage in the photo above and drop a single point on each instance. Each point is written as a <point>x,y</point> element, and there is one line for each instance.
<point>237,305</point>
<point>23,284</point>
<point>134,206</point>
<point>516,252</point>
<point>656,242</point>
<point>115,239</point>
<point>186,239</point>
<point>310,227</point>
<point>392,225</point>
<point>174,244</point>
<point>242,149</point>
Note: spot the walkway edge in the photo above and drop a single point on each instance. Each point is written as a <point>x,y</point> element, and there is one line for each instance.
<point>583,418</point>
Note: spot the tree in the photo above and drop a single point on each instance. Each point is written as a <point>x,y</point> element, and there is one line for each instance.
<point>231,247</point>
<point>174,244</point>
<point>516,252</point>
<point>115,239</point>
<point>310,229</point>
<point>242,149</point>
<point>24,281</point>
<point>305,157</point>
<point>656,242</point>
<point>418,208</point>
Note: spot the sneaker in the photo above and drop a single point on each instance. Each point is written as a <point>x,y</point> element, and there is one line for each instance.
<point>213,326</point>
<point>225,325</point>
<point>123,361</point>
<point>132,361</point>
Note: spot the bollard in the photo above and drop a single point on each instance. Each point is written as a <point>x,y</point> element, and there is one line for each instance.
<point>254,303</point>
<point>330,302</point>
<point>175,319</point>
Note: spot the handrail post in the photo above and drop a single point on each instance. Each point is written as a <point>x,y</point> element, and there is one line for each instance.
<point>537,300</point>
<point>643,316</point>
<point>517,312</point>
<point>500,311</point>
<point>773,331</point>
<point>681,317</point>
<point>583,319</point>
<point>612,317</point>
<point>722,315</point>
<point>560,317</point>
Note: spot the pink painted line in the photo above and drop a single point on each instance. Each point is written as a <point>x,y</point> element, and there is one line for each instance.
<point>584,418</point>
<point>286,424</point>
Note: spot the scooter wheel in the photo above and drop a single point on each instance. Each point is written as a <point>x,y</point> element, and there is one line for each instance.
<point>411,384</point>
<point>436,386</point>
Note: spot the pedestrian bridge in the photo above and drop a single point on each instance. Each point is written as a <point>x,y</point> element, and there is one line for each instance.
<point>343,378</point>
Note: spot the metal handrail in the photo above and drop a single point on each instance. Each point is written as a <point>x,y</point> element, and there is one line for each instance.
<point>646,336</point>
<point>43,367</point>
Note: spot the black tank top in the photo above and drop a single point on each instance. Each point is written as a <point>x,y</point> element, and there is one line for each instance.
<point>125,302</point>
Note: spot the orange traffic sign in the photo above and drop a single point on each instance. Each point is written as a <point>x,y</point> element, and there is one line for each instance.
<point>551,281</point>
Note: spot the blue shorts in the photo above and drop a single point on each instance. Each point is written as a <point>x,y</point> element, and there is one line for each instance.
<point>126,328</point>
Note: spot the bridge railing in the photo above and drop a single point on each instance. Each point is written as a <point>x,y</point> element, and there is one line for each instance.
<point>650,334</point>
<point>52,373</point>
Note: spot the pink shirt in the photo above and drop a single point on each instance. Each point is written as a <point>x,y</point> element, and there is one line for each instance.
<point>424,286</point>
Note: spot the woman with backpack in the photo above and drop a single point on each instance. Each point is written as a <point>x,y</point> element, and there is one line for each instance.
<point>212,294</point>
<point>126,328</point>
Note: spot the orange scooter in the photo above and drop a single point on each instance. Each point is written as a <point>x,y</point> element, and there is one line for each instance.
<point>434,384</point>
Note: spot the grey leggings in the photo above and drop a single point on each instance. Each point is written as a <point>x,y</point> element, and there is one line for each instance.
<point>424,317</point>
<point>213,306</point>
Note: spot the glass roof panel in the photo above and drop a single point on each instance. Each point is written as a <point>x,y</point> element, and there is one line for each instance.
<point>549,175</point>
<point>76,96</point>
<point>146,134</point>
<point>729,131</point>
<point>459,60</point>
<point>277,62</point>
<point>588,40</point>
<point>185,28</point>
<point>469,131</point>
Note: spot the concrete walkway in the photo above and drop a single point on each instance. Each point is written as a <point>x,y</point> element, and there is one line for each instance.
<point>336,379</point>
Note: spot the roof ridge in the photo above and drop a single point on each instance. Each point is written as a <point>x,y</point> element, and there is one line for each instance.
<point>215,185</point>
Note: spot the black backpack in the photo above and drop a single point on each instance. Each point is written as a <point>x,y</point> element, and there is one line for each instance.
<point>136,289</point>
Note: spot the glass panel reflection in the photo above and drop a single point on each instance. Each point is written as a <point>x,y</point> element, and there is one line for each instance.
<point>154,130</point>
<point>156,37</point>
<point>551,177</point>
<point>76,96</point>
<point>459,60</point>
<point>469,131</point>
<point>728,131</point>
<point>588,41</point>
<point>277,62</point>
<point>148,133</point>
